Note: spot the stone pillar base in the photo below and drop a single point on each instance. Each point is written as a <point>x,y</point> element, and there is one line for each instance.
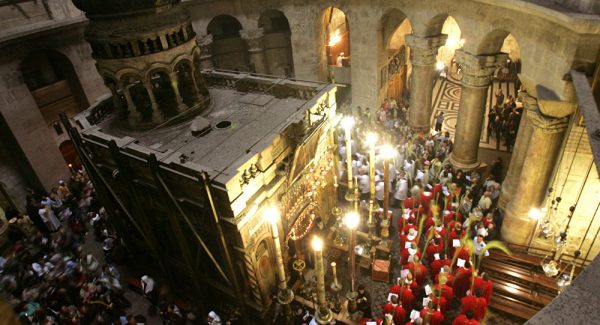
<point>463,165</point>
<point>517,227</point>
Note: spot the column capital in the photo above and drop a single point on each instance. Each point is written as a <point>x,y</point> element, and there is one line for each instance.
<point>478,69</point>
<point>254,38</point>
<point>423,50</point>
<point>547,124</point>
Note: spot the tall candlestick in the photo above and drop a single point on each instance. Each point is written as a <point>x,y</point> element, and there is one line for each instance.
<point>323,313</point>
<point>347,123</point>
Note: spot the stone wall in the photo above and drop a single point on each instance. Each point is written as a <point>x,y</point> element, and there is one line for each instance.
<point>549,40</point>
<point>20,111</point>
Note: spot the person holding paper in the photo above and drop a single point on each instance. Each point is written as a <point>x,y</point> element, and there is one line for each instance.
<point>438,262</point>
<point>440,301</point>
<point>391,305</point>
<point>406,253</point>
<point>418,269</point>
<point>431,315</point>
<point>410,237</point>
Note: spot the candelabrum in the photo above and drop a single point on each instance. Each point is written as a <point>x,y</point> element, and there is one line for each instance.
<point>352,220</point>
<point>323,314</point>
<point>371,141</point>
<point>336,287</point>
<point>347,123</point>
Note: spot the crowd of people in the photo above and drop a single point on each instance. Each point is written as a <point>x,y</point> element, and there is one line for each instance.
<point>443,218</point>
<point>503,120</point>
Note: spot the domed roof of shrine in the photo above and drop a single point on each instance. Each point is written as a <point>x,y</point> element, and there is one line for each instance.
<point>120,7</point>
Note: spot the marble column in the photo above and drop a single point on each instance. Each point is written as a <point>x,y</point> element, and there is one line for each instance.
<point>156,116</point>
<point>134,116</point>
<point>423,51</point>
<point>518,154</point>
<point>206,59</point>
<point>477,71</point>
<point>542,154</point>
<point>175,86</point>
<point>256,49</point>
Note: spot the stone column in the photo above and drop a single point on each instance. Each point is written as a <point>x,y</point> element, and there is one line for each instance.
<point>156,116</point>
<point>542,153</point>
<point>423,51</point>
<point>518,154</point>
<point>256,49</point>
<point>206,59</point>
<point>477,71</point>
<point>175,86</point>
<point>134,116</point>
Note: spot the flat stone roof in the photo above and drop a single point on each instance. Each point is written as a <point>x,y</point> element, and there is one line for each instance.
<point>257,117</point>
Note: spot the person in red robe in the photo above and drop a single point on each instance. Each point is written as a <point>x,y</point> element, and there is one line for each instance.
<point>396,287</point>
<point>408,298</point>
<point>445,272</point>
<point>484,284</point>
<point>419,270</point>
<point>463,253</point>
<point>363,321</point>
<point>410,224</point>
<point>439,301</point>
<point>407,252</point>
<point>436,265</point>
<point>465,319</point>
<point>410,236</point>
<point>409,203</point>
<point>433,248</point>
<point>456,233</point>
<point>399,315</point>
<point>476,304</point>
<point>462,279</point>
<point>431,315</point>
<point>390,306</point>
<point>447,291</point>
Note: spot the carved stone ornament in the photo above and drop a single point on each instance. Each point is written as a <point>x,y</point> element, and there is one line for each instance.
<point>478,69</point>
<point>423,50</point>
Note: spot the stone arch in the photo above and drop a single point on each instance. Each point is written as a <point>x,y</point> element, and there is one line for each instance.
<point>454,41</point>
<point>162,87</point>
<point>141,104</point>
<point>67,149</point>
<point>333,38</point>
<point>393,64</point>
<point>228,48</point>
<point>277,42</point>
<point>54,84</point>
<point>117,93</point>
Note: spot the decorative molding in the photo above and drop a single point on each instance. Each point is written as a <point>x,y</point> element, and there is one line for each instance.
<point>423,50</point>
<point>547,124</point>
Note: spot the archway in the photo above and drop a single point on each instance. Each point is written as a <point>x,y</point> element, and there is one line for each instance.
<point>54,85</point>
<point>185,83</point>
<point>503,111</point>
<point>446,63</point>
<point>393,65</point>
<point>277,43</point>
<point>139,96</point>
<point>334,45</point>
<point>67,149</point>
<point>163,92</point>
<point>228,48</point>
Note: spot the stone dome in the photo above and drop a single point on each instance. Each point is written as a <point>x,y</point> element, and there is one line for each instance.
<point>120,7</point>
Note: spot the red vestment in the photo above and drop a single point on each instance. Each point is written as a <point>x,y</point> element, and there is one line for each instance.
<point>437,265</point>
<point>399,315</point>
<point>477,305</point>
<point>408,299</point>
<point>388,308</point>
<point>486,288</point>
<point>395,289</point>
<point>435,317</point>
<point>431,250</point>
<point>443,303</point>
<point>462,281</point>
<point>404,254</point>
<point>449,279</point>
<point>447,291</point>
<point>463,320</point>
